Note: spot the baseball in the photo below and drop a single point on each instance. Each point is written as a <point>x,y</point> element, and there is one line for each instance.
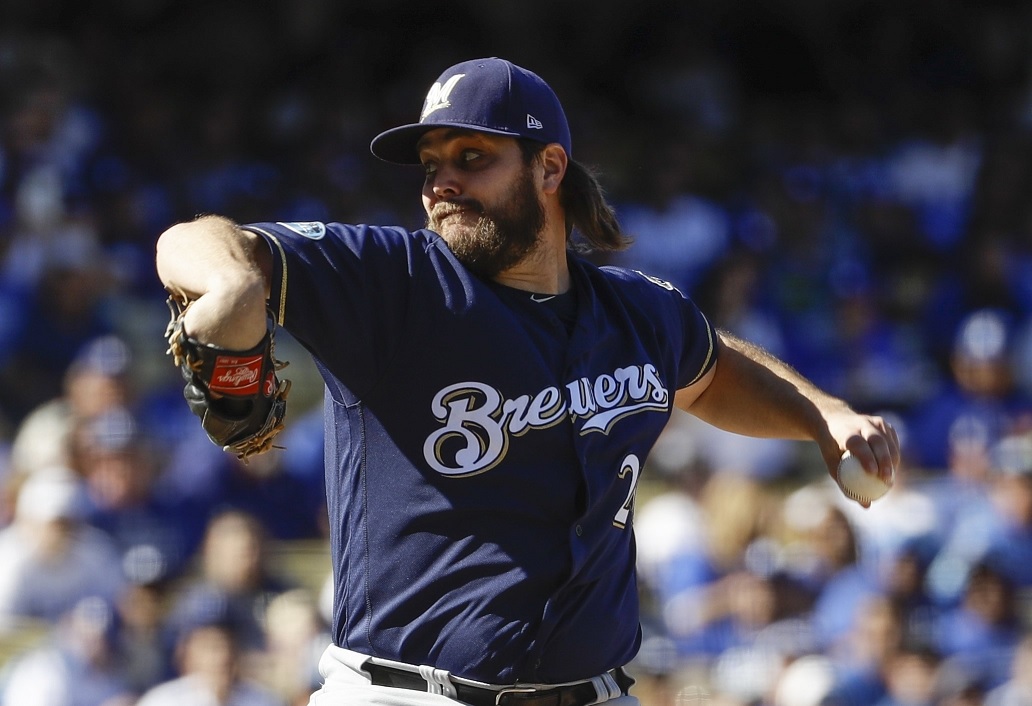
<point>858,484</point>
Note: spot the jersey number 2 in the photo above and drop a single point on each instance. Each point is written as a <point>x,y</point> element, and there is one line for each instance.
<point>631,465</point>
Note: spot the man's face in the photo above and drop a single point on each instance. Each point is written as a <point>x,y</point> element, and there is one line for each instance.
<point>481,197</point>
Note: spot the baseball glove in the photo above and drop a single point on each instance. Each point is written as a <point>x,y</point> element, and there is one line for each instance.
<point>237,394</point>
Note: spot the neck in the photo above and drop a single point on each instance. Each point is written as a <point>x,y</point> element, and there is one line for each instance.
<point>544,270</point>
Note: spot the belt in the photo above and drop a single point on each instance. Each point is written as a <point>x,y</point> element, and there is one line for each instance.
<point>575,694</point>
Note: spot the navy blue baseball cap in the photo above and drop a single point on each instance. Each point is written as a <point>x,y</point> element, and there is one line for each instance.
<point>487,95</point>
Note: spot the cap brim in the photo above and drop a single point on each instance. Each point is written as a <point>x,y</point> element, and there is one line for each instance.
<point>398,145</point>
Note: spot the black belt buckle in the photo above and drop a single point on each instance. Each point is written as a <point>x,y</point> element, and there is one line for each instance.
<point>569,695</point>
<point>572,695</point>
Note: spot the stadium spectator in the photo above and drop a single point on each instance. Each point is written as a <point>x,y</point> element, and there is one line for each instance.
<point>1017,689</point>
<point>141,640</point>
<point>210,665</point>
<point>52,559</point>
<point>79,666</point>
<point>297,636</point>
<point>982,633</point>
<point>980,403</point>
<point>233,570</point>
<point>859,661</point>
<point>998,530</point>
<point>97,379</point>
<point>910,677</point>
<point>114,460</point>
<point>840,582</point>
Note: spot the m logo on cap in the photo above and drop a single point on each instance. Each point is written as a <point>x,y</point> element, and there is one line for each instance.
<point>439,96</point>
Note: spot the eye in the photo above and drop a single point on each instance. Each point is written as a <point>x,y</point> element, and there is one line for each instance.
<point>429,169</point>
<point>468,156</point>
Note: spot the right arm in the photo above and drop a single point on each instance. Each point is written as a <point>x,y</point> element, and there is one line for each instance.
<point>750,392</point>
<point>225,271</point>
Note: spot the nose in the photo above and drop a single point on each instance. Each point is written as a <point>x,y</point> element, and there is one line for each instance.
<point>445,183</point>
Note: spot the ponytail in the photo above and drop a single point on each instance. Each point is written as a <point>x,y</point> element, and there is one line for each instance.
<point>591,223</point>
<point>588,212</point>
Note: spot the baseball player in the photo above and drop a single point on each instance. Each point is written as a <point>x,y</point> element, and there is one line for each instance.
<point>491,399</point>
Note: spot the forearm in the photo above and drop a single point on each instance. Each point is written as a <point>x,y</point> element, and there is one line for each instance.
<point>752,393</point>
<point>222,270</point>
<point>755,394</point>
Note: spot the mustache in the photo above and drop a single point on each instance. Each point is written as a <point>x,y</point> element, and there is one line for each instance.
<point>447,208</point>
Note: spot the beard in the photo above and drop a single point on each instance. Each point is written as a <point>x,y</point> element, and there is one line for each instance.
<point>502,236</point>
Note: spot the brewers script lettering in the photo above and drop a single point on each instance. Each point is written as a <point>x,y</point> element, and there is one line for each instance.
<point>477,421</point>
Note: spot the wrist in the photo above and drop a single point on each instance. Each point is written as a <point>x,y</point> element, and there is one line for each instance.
<point>231,315</point>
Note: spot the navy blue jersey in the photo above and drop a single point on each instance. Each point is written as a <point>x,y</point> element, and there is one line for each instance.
<point>482,454</point>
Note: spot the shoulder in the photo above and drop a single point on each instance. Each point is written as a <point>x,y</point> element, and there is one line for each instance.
<point>336,244</point>
<point>317,232</point>
<point>633,287</point>
<point>638,280</point>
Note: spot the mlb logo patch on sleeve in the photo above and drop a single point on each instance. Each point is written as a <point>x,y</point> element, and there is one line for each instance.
<point>313,230</point>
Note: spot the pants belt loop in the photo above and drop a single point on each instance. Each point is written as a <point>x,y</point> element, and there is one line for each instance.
<point>614,688</point>
<point>606,688</point>
<point>438,681</point>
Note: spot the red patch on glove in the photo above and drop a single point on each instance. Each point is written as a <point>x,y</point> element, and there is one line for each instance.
<point>237,377</point>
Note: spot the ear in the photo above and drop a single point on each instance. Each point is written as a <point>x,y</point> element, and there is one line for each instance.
<point>553,161</point>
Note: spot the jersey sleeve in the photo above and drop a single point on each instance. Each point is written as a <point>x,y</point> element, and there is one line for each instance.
<point>685,336</point>
<point>342,291</point>
<point>699,350</point>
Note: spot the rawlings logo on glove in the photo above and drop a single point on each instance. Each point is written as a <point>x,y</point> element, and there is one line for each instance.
<point>237,395</point>
<point>236,376</point>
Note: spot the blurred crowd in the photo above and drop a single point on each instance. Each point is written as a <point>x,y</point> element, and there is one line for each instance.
<point>843,183</point>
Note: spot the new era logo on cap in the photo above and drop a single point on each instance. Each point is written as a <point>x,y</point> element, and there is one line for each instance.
<point>487,95</point>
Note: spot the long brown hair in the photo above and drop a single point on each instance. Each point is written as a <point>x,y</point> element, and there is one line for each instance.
<point>591,222</point>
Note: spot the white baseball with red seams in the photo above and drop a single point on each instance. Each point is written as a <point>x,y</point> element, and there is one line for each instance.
<point>856,483</point>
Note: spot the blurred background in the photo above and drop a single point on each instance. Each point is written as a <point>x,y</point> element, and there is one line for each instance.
<point>845,183</point>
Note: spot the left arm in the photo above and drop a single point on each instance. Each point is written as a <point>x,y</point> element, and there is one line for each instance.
<point>753,393</point>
